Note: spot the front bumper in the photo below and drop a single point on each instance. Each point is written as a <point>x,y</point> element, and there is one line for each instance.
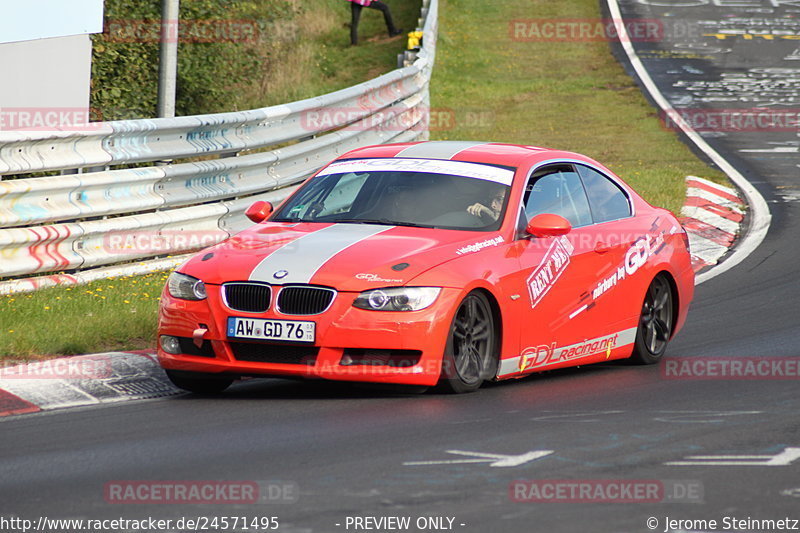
<point>351,344</point>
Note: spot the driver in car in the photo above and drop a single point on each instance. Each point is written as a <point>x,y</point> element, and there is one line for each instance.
<point>493,211</point>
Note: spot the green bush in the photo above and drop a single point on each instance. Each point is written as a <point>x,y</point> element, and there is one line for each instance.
<point>125,56</point>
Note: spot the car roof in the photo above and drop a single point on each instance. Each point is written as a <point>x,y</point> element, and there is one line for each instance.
<point>512,155</point>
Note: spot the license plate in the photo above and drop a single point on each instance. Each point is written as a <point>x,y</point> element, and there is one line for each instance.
<point>273,330</point>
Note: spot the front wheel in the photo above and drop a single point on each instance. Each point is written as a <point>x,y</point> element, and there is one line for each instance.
<point>655,323</point>
<point>198,382</point>
<point>471,353</point>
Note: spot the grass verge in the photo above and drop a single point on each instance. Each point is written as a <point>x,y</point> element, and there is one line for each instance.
<point>565,95</point>
<point>113,314</point>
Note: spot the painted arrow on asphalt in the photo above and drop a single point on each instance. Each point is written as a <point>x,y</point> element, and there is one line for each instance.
<point>496,460</point>
<point>785,458</point>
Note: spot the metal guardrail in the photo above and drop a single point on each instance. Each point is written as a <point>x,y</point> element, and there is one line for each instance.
<point>73,223</point>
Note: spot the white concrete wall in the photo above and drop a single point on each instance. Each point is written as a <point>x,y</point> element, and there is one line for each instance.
<point>45,62</point>
<point>53,72</point>
<point>25,20</point>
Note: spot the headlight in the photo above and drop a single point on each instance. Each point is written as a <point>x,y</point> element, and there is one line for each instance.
<point>397,299</point>
<point>186,287</point>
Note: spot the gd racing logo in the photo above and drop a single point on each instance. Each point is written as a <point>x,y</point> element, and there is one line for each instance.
<point>636,256</point>
<point>545,354</point>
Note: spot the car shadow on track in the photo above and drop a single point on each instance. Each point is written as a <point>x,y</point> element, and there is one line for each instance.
<point>587,377</point>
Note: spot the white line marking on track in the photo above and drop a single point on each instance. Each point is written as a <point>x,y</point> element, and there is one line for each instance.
<point>784,458</point>
<point>496,460</point>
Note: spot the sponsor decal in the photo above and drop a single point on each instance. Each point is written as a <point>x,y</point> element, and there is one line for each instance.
<point>544,354</point>
<point>478,246</point>
<point>432,166</point>
<point>376,278</point>
<point>553,264</point>
<point>636,256</point>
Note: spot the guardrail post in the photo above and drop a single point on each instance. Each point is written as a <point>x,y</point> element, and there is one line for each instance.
<point>168,57</point>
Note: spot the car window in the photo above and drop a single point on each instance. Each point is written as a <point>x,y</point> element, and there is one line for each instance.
<point>606,199</point>
<point>342,195</point>
<point>379,195</point>
<point>558,190</point>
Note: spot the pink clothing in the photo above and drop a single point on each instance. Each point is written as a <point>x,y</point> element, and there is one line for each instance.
<point>361,2</point>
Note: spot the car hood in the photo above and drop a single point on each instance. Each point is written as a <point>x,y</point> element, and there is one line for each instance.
<point>348,257</point>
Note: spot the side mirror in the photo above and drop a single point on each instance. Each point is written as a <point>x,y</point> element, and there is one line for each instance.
<point>259,211</point>
<point>548,225</point>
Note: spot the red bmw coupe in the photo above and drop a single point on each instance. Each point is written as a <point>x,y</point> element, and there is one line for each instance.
<point>434,263</point>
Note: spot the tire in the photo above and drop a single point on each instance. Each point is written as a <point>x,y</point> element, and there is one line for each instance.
<point>198,382</point>
<point>655,323</point>
<point>470,355</point>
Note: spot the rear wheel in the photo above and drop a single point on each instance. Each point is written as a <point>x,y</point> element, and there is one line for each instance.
<point>655,323</point>
<point>470,355</point>
<point>198,382</point>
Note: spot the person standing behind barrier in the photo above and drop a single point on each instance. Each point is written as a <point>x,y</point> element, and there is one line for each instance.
<point>355,10</point>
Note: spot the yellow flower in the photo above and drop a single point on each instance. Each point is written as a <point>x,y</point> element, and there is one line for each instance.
<point>11,331</point>
<point>126,301</point>
<point>46,307</point>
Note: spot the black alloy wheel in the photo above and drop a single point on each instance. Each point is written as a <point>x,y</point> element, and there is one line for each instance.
<point>471,353</point>
<point>655,324</point>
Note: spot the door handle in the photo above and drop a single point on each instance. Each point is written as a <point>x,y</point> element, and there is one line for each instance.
<point>601,247</point>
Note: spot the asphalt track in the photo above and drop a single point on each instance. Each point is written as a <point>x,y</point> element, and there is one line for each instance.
<point>344,448</point>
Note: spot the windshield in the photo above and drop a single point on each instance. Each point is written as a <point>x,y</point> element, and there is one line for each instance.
<point>430,193</point>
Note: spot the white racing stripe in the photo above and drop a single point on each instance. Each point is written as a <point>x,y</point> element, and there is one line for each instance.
<point>303,257</point>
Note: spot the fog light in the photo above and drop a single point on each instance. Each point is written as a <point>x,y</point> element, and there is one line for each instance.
<point>170,344</point>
